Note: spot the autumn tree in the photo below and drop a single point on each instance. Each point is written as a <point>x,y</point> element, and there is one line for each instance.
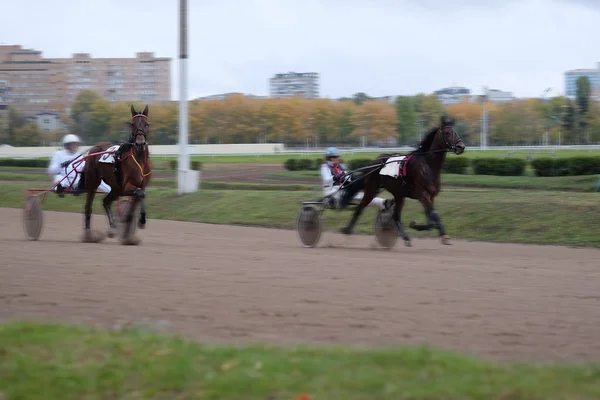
<point>28,134</point>
<point>407,126</point>
<point>375,121</point>
<point>468,115</point>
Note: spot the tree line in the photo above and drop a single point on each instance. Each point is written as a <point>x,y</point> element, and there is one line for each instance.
<point>360,120</point>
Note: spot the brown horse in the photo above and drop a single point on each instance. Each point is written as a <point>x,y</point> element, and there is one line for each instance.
<point>128,175</point>
<point>420,179</point>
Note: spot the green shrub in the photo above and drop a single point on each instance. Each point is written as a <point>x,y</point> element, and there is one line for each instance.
<point>304,164</point>
<point>24,162</point>
<point>583,165</point>
<point>580,165</point>
<point>318,162</point>
<point>173,164</point>
<point>196,165</point>
<point>499,166</point>
<point>291,164</point>
<point>456,165</point>
<point>358,163</point>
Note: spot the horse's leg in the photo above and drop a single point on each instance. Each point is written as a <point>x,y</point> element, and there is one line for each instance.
<point>90,236</point>
<point>398,204</point>
<point>433,218</point>
<point>370,190</point>
<point>142,220</point>
<point>137,194</point>
<point>107,204</point>
<point>110,183</point>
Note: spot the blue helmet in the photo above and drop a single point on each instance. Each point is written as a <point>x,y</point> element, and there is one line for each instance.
<point>332,152</point>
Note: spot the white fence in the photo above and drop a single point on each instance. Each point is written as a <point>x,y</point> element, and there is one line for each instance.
<point>249,149</point>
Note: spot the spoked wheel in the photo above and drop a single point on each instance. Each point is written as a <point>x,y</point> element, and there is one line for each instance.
<point>33,217</point>
<point>125,229</point>
<point>309,226</point>
<point>386,230</point>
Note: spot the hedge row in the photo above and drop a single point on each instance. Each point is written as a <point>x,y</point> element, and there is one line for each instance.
<point>24,162</point>
<point>572,166</point>
<point>456,165</point>
<point>581,165</point>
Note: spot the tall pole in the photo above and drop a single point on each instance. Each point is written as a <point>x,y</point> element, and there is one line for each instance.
<point>184,159</point>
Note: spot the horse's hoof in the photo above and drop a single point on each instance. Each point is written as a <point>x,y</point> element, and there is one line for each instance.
<point>141,226</point>
<point>412,224</point>
<point>446,240</point>
<point>345,230</point>
<point>90,236</point>
<point>111,233</point>
<point>132,241</point>
<point>408,243</point>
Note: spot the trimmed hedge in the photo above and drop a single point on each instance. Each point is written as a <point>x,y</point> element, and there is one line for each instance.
<point>499,166</point>
<point>582,165</point>
<point>24,162</point>
<point>456,165</point>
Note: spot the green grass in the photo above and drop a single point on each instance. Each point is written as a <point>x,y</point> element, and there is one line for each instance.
<point>60,362</point>
<point>488,215</point>
<point>586,183</point>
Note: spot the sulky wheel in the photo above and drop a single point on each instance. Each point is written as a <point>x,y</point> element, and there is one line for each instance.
<point>386,230</point>
<point>33,217</point>
<point>126,224</point>
<point>309,226</point>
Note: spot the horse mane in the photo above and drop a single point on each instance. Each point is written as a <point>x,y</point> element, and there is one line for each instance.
<point>426,143</point>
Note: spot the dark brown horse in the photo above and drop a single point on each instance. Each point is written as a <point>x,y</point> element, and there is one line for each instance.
<point>128,175</point>
<point>420,179</point>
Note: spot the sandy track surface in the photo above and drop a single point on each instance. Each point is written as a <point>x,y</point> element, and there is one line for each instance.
<point>235,284</point>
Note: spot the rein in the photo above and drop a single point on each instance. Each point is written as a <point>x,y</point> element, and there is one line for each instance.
<point>137,163</point>
<point>384,163</point>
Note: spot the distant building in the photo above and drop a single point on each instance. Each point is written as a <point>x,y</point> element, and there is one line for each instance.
<point>47,121</point>
<point>453,95</point>
<point>293,84</point>
<point>222,96</point>
<point>35,84</point>
<point>3,123</point>
<point>499,96</point>
<point>574,74</point>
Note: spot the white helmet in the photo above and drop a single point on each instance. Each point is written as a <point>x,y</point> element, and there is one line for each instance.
<point>70,138</point>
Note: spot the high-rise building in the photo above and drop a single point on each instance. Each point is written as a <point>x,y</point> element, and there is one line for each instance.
<point>452,95</point>
<point>35,84</point>
<point>574,74</point>
<point>293,84</point>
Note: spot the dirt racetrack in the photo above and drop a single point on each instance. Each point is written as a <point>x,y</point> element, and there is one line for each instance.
<point>225,284</point>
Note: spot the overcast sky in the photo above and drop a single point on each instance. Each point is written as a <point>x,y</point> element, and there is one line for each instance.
<point>381,47</point>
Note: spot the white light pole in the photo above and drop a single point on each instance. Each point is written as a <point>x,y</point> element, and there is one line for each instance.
<point>484,121</point>
<point>187,181</point>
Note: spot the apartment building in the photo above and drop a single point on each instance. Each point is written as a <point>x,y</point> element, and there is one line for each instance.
<point>36,84</point>
<point>453,95</point>
<point>223,96</point>
<point>574,74</point>
<point>295,84</point>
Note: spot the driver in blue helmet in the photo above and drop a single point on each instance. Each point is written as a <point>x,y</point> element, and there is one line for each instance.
<point>341,186</point>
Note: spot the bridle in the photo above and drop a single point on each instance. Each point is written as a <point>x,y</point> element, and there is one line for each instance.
<point>444,133</point>
<point>139,129</point>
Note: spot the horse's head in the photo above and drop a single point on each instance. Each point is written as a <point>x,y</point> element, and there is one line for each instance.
<point>449,139</point>
<point>140,128</point>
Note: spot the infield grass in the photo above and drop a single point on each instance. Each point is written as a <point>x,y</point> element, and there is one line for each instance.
<point>60,362</point>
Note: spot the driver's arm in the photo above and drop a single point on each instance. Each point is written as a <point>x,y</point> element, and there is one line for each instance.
<point>326,175</point>
<point>54,167</point>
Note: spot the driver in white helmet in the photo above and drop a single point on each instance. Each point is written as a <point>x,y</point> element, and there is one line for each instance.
<point>63,165</point>
<point>334,174</point>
